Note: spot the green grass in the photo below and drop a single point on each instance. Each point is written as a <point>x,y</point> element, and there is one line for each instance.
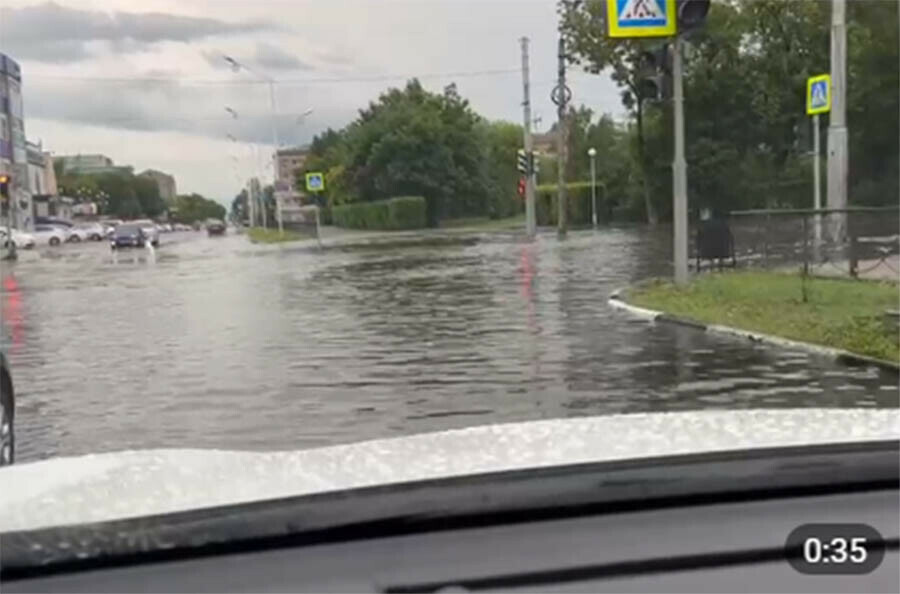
<point>844,314</point>
<point>261,235</point>
<point>484,223</point>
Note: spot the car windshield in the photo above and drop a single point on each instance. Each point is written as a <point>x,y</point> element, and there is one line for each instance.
<point>371,220</point>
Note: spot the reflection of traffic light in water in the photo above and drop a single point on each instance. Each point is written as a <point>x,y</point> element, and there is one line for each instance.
<point>12,311</point>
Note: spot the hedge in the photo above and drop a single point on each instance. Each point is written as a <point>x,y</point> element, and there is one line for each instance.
<point>403,212</point>
<point>578,203</point>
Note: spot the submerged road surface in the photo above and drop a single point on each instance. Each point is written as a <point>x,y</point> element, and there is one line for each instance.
<point>218,343</point>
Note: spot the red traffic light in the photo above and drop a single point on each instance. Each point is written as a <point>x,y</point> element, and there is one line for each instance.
<point>521,188</point>
<point>4,186</point>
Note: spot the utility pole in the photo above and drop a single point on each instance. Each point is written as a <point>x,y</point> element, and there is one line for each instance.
<point>837,127</point>
<point>530,223</point>
<point>817,189</point>
<point>562,223</point>
<point>679,171</point>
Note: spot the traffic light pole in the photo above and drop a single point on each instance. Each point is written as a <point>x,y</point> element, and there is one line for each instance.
<point>530,223</point>
<point>562,212</point>
<point>679,171</point>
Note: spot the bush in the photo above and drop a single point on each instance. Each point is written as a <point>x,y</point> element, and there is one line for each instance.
<point>578,203</point>
<point>406,212</point>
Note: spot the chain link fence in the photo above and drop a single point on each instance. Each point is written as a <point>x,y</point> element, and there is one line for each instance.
<point>861,242</point>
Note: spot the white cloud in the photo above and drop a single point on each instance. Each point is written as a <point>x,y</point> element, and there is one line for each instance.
<point>180,125</point>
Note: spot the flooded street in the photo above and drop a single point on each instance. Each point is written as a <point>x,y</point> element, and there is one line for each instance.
<point>218,343</point>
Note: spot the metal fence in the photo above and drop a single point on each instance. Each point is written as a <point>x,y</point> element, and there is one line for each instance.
<point>862,242</point>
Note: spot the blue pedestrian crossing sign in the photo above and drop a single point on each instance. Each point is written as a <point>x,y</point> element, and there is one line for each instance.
<point>315,182</point>
<point>818,94</point>
<point>641,18</point>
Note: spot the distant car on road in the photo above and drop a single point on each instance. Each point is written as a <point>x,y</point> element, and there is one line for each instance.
<point>151,231</point>
<point>93,231</point>
<point>128,235</point>
<point>49,235</point>
<point>215,227</point>
<point>7,414</point>
<point>20,239</point>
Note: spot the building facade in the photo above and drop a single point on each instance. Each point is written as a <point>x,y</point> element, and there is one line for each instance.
<point>287,163</point>
<point>165,183</point>
<point>91,164</point>
<point>13,155</point>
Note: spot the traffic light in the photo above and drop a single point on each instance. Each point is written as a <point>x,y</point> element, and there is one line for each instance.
<point>4,187</point>
<point>691,14</point>
<point>521,187</point>
<point>521,161</point>
<point>533,163</point>
<point>655,68</point>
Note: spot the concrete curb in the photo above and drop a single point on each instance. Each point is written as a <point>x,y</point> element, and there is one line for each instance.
<point>841,356</point>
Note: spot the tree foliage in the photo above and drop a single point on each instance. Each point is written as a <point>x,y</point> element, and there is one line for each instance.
<point>190,208</point>
<point>747,134</point>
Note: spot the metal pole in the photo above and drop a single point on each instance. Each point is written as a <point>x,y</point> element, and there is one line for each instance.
<point>593,188</point>
<point>679,172</point>
<point>837,127</point>
<point>530,223</point>
<point>276,170</point>
<point>562,223</point>
<point>817,187</point>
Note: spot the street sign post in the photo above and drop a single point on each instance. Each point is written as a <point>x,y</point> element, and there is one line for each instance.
<point>315,182</point>
<point>818,100</point>
<point>818,94</point>
<point>641,18</point>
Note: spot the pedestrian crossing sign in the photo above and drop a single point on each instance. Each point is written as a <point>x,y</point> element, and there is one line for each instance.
<point>315,182</point>
<point>641,18</point>
<point>818,94</point>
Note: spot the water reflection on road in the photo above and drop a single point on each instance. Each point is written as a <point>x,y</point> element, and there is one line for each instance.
<point>214,342</point>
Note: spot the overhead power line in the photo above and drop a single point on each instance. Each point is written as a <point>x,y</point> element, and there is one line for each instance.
<point>285,81</point>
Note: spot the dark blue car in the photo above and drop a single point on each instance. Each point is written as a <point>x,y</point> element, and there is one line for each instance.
<point>127,236</point>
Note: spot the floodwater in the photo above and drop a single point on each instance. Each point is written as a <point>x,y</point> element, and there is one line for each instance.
<point>218,343</point>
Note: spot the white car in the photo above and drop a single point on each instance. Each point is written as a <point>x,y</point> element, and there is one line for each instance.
<point>20,239</point>
<point>150,229</point>
<point>93,231</point>
<point>49,235</point>
<point>74,234</point>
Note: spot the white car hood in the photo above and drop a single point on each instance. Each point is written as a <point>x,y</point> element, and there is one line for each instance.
<point>117,485</point>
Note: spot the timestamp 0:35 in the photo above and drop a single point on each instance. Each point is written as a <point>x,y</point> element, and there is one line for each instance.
<point>848,549</point>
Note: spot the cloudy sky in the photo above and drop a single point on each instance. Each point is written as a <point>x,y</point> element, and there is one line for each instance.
<point>146,83</point>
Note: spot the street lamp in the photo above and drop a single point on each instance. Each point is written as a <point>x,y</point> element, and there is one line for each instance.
<point>592,153</point>
<point>235,67</point>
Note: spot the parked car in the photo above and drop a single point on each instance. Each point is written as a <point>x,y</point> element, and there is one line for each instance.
<point>7,414</point>
<point>49,235</point>
<point>73,234</point>
<point>128,235</point>
<point>93,231</point>
<point>53,221</point>
<point>150,230</point>
<point>20,239</point>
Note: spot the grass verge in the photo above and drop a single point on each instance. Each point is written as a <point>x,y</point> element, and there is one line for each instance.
<point>843,314</point>
<point>261,235</point>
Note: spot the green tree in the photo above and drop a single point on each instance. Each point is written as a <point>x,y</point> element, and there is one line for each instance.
<point>190,208</point>
<point>147,193</point>
<point>582,27</point>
